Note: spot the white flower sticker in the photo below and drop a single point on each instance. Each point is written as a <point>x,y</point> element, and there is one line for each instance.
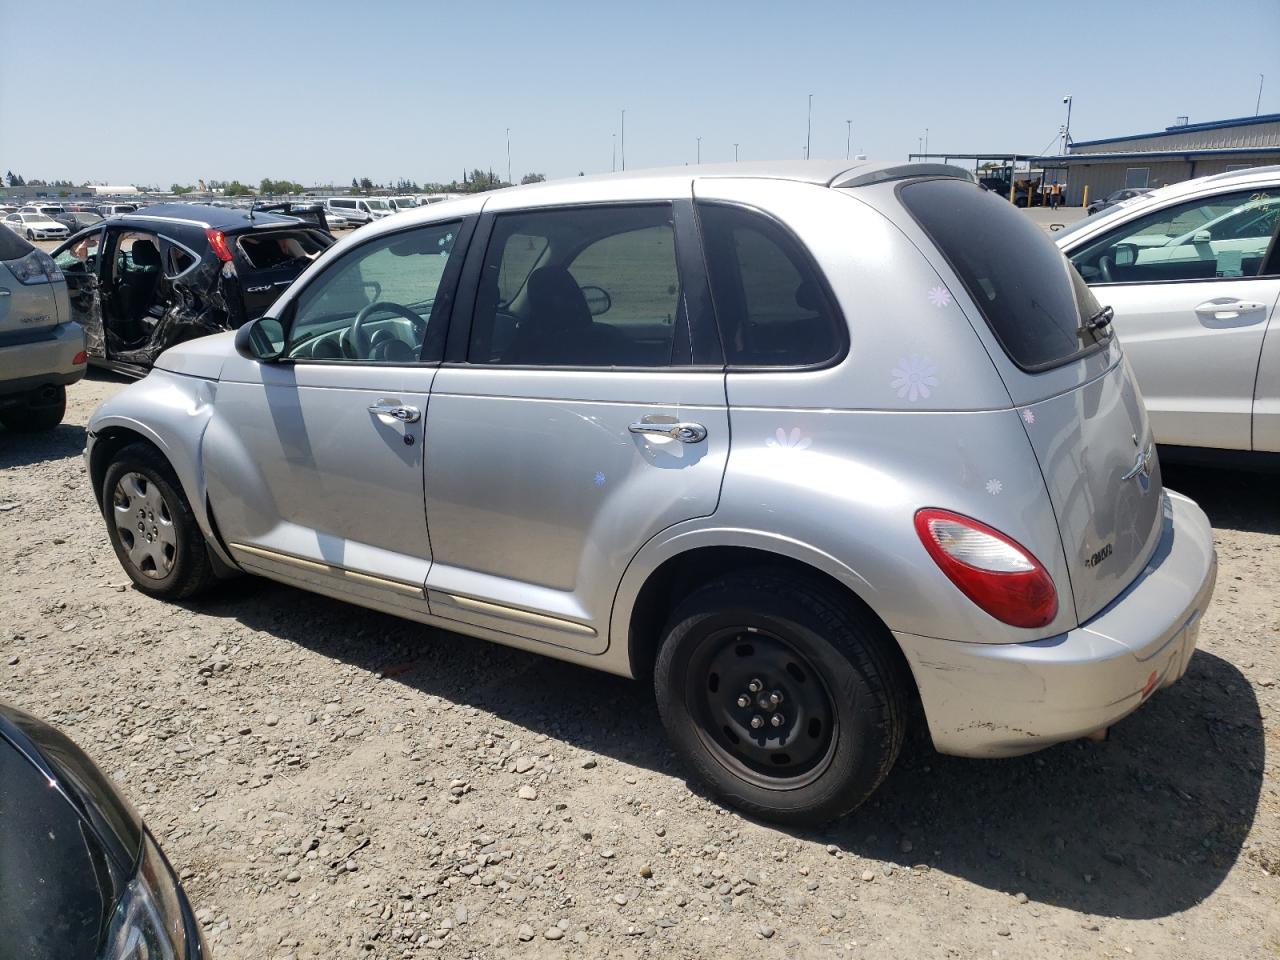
<point>795,440</point>
<point>913,376</point>
<point>994,487</point>
<point>1028,416</point>
<point>940,296</point>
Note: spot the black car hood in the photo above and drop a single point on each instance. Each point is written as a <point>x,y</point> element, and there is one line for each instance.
<point>68,843</point>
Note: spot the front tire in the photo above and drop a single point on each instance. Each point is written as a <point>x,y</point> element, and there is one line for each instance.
<point>152,527</point>
<point>785,698</point>
<point>30,235</point>
<point>36,415</point>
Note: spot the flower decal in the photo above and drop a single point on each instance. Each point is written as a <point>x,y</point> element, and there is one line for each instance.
<point>795,440</point>
<point>994,487</point>
<point>940,296</point>
<point>913,377</point>
<point>1028,416</point>
<point>599,479</point>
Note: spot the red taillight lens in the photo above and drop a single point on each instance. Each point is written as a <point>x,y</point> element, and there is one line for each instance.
<point>79,358</point>
<point>219,243</point>
<point>996,573</point>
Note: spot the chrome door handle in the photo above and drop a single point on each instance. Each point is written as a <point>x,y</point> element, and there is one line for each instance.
<point>388,408</point>
<point>1227,309</point>
<point>684,432</point>
<point>4,292</point>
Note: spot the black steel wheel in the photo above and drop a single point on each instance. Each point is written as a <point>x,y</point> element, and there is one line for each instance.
<point>785,697</point>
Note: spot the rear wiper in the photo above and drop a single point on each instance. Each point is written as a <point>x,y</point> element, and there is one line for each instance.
<point>1100,320</point>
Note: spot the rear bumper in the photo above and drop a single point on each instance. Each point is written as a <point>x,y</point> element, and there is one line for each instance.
<point>28,366</point>
<point>999,700</point>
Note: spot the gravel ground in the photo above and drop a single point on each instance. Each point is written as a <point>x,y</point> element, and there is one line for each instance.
<point>333,782</point>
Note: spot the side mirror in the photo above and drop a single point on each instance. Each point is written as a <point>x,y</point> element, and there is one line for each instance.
<point>261,340</point>
<point>1201,236</point>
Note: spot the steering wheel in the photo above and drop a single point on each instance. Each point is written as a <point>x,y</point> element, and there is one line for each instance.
<point>1104,266</point>
<point>360,339</point>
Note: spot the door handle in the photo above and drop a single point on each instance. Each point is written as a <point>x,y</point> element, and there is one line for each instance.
<point>389,408</point>
<point>1227,309</point>
<point>684,432</point>
<point>4,292</point>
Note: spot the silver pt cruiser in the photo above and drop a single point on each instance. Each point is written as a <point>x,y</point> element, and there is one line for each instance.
<point>805,445</point>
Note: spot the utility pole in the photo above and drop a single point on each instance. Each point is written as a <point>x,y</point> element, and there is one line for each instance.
<point>1258,106</point>
<point>926,142</point>
<point>735,153</point>
<point>624,140</point>
<point>808,133</point>
<point>1066,131</point>
<point>848,137</point>
<point>508,154</point>
<point>699,150</point>
<point>919,146</point>
<point>613,163</point>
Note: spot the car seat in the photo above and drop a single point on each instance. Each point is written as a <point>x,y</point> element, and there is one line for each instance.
<point>560,329</point>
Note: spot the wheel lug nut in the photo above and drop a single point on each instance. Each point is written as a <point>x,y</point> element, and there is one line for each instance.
<point>744,701</point>
<point>757,722</point>
<point>775,698</point>
<point>777,720</point>
<point>755,686</point>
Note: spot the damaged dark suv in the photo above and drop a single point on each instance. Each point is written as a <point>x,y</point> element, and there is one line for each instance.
<point>142,282</point>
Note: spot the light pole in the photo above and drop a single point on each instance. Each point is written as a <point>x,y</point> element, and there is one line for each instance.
<point>613,162</point>
<point>699,160</point>
<point>508,154</point>
<point>1258,106</point>
<point>808,133</point>
<point>624,140</point>
<point>926,143</point>
<point>1066,131</point>
<point>919,146</point>
<point>735,153</point>
<point>848,137</point>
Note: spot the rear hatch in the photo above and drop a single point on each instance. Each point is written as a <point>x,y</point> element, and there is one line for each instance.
<point>1064,369</point>
<point>268,260</point>
<point>28,300</point>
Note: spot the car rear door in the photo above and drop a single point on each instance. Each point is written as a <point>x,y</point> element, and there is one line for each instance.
<point>1078,402</point>
<point>1192,286</point>
<point>568,425</point>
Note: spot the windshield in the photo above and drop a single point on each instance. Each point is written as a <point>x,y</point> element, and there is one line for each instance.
<point>378,205</point>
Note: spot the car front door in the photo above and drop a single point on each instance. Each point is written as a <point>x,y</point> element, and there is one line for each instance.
<point>314,461</point>
<point>1193,286</point>
<point>569,424</point>
<point>80,260</point>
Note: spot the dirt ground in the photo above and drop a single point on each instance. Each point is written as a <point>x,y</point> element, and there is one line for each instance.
<point>333,782</point>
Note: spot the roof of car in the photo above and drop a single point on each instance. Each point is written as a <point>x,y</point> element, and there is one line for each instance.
<point>199,215</point>
<point>826,173</point>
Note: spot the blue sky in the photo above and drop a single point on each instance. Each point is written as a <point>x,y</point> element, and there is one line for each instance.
<point>317,91</point>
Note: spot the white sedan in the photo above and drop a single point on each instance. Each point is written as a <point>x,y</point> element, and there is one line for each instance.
<point>35,226</point>
<point>1192,272</point>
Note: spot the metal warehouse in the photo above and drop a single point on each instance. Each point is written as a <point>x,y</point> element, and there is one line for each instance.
<point>1181,152</point>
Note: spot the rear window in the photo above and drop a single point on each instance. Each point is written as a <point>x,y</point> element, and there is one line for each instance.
<point>282,247</point>
<point>1035,302</point>
<point>12,246</point>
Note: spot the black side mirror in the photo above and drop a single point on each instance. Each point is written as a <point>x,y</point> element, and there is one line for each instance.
<point>261,340</point>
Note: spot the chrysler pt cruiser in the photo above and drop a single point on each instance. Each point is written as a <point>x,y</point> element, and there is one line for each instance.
<point>815,449</point>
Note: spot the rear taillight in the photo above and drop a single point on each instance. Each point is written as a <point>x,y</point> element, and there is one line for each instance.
<point>79,358</point>
<point>218,240</point>
<point>995,572</point>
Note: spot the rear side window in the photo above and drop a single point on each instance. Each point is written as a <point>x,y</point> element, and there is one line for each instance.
<point>1035,302</point>
<point>771,305</point>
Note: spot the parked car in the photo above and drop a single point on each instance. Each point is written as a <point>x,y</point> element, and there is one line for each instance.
<point>1192,272</point>
<point>142,282</point>
<point>112,209</point>
<point>940,487</point>
<point>1117,196</point>
<point>41,349</point>
<point>359,210</point>
<point>49,210</point>
<point>76,220</point>
<point>399,204</point>
<point>311,211</point>
<point>35,226</point>
<point>83,877</point>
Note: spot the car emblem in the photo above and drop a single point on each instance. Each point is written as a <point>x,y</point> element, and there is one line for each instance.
<point>1142,468</point>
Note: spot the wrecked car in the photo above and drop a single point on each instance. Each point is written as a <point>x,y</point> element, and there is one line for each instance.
<point>141,282</point>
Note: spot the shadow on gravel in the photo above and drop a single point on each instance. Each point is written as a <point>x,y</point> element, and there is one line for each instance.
<point>25,449</point>
<point>1233,499</point>
<point>1144,825</point>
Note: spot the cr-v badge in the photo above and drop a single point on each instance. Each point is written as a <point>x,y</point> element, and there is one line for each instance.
<point>1142,468</point>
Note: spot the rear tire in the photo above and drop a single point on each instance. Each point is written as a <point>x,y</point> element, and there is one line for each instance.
<point>784,698</point>
<point>36,415</point>
<point>152,527</point>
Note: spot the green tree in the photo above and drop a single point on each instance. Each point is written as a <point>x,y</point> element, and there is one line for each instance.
<point>533,178</point>
<point>179,189</point>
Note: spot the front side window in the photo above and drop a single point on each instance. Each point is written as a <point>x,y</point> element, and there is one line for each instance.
<point>593,286</point>
<point>1226,236</point>
<point>81,257</point>
<point>771,305</point>
<point>377,303</point>
<point>1034,301</point>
